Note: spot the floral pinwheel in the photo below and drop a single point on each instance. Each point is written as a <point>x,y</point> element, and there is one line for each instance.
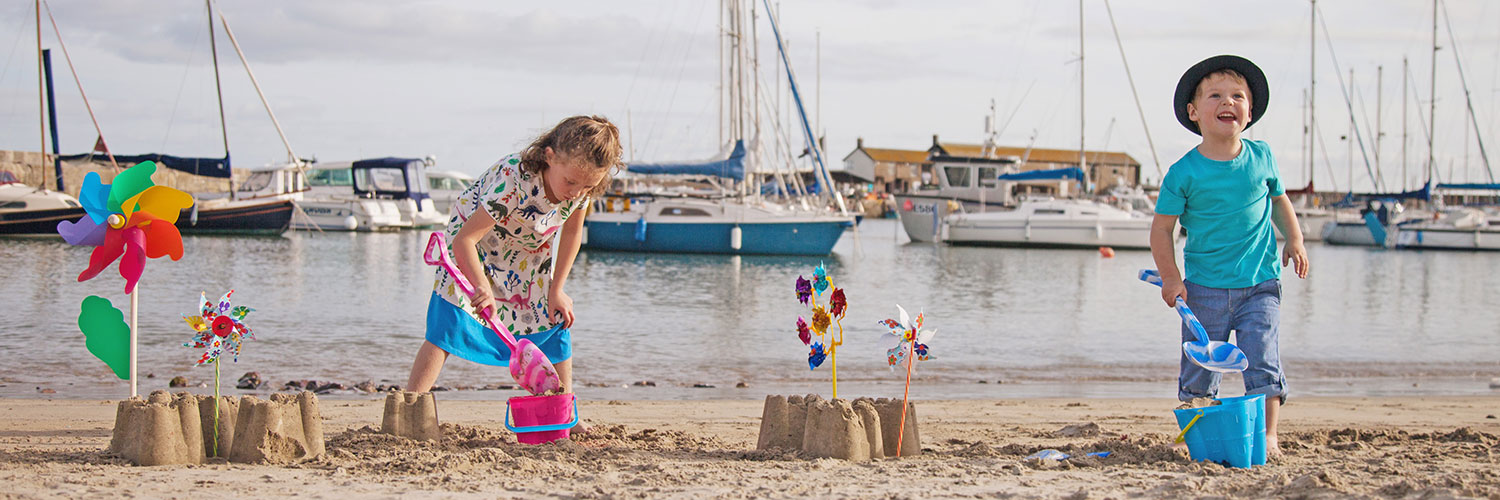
<point>131,219</point>
<point>908,342</point>
<point>906,338</point>
<point>823,317</point>
<point>220,329</point>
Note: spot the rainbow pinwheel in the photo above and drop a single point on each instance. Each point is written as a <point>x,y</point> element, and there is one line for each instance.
<point>808,292</point>
<point>908,343</point>
<point>219,328</point>
<point>131,219</point>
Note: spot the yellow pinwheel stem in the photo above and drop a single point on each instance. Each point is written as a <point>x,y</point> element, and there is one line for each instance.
<point>833,354</point>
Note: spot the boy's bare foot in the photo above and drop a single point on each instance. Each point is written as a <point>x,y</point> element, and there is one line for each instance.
<point>1273,447</point>
<point>580,429</point>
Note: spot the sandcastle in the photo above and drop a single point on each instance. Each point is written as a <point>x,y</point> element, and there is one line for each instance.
<point>165,429</point>
<point>411,415</point>
<point>859,430</point>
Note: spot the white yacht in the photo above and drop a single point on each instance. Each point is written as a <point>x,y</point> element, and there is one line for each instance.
<point>325,210</point>
<point>401,181</point>
<point>1461,229</point>
<point>444,186</point>
<point>1051,223</point>
<point>971,184</point>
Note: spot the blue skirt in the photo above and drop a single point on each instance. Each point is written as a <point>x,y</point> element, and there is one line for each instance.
<point>455,331</point>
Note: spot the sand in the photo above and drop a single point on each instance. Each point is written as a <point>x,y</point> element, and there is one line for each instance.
<point>1436,447</point>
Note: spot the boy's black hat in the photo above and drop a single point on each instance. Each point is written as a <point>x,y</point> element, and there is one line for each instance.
<point>1260,94</point>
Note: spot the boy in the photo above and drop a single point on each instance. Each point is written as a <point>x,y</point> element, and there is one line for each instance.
<point>1227,193</point>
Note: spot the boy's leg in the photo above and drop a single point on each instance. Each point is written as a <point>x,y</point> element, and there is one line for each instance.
<point>1257,325</point>
<point>425,370</point>
<point>1211,306</point>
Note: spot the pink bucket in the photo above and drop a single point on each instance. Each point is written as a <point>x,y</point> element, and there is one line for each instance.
<point>541,419</point>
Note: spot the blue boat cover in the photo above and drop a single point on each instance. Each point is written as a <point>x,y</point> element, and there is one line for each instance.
<point>208,167</point>
<point>732,167</point>
<point>387,162</point>
<point>1074,173</point>
<point>1491,187</point>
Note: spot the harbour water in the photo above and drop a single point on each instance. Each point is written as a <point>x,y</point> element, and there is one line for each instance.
<point>350,307</point>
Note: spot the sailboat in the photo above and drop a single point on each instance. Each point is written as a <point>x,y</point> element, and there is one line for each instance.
<point>37,211</point>
<point>716,206</point>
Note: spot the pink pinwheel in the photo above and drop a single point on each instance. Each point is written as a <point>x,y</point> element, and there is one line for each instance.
<point>131,220</point>
<point>219,329</point>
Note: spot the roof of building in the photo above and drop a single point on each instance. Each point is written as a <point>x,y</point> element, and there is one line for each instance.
<point>1043,155</point>
<point>897,155</point>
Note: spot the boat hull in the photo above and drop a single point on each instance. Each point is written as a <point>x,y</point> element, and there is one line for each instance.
<point>1348,234</point>
<point>1126,235</point>
<point>1448,239</point>
<point>759,238</point>
<point>921,216</point>
<point>272,217</point>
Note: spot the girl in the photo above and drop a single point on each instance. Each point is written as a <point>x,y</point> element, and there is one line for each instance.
<point>500,238</point>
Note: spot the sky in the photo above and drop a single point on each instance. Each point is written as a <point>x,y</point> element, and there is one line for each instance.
<point>469,82</point>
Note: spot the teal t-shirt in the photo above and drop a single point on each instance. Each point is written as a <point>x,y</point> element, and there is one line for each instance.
<point>1226,208</point>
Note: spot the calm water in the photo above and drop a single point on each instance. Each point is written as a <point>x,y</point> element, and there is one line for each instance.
<point>350,307</point>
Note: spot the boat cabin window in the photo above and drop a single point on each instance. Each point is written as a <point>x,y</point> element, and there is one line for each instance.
<point>989,177</point>
<point>330,177</point>
<point>1088,212</point>
<point>382,179</point>
<point>957,176</point>
<point>13,205</point>
<point>1047,211</point>
<point>683,212</point>
<point>257,181</point>
<point>446,184</point>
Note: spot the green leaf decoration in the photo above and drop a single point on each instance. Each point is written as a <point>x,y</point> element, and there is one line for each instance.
<point>108,337</point>
<point>130,183</point>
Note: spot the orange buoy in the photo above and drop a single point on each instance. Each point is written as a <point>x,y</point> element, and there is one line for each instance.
<point>1107,252</point>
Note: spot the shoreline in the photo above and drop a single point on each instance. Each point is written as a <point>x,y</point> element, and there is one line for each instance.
<point>1476,385</point>
<point>1334,446</point>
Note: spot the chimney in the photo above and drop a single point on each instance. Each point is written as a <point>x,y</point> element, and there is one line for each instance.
<point>934,140</point>
<point>859,143</point>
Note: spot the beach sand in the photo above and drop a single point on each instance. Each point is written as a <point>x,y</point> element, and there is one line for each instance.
<point>1426,447</point>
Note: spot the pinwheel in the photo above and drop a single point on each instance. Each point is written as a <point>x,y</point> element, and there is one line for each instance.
<point>808,292</point>
<point>129,220</point>
<point>219,329</point>
<point>908,343</point>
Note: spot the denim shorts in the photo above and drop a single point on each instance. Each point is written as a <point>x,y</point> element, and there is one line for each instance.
<point>1254,314</point>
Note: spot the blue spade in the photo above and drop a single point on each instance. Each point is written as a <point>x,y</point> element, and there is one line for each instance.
<point>1212,355</point>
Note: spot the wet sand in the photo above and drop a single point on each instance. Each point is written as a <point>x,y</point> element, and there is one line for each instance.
<point>1419,447</point>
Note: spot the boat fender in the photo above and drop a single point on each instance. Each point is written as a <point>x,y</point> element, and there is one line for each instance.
<point>351,223</point>
<point>194,218</point>
<point>735,237</point>
<point>640,229</point>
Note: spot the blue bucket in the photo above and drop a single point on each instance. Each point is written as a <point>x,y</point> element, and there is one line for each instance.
<point>1232,433</point>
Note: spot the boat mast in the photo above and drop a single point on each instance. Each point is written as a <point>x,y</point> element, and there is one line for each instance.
<point>41,95</point>
<point>1082,161</point>
<point>219,91</point>
<point>1379,99</point>
<point>1404,71</point>
<point>1312,92</point>
<point>1432,89</point>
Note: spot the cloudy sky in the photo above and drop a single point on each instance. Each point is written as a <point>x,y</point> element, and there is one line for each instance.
<point>469,82</point>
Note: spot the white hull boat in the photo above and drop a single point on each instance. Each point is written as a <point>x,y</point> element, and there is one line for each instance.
<point>1051,223</point>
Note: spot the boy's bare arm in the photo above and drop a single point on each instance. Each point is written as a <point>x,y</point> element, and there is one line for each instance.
<point>1165,255</point>
<point>1285,218</point>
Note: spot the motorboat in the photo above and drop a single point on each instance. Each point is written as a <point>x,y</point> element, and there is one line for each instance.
<point>444,186</point>
<point>329,210</point>
<point>1051,222</point>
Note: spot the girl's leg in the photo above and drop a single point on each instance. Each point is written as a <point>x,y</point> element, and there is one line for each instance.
<point>425,370</point>
<point>565,372</point>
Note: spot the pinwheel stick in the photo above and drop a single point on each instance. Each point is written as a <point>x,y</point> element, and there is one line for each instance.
<point>134,304</point>
<point>216,407</point>
<point>911,353</point>
<point>833,354</point>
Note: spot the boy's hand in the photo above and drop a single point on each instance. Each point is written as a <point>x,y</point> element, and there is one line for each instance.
<point>1171,290</point>
<point>1297,255</point>
<point>560,307</point>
